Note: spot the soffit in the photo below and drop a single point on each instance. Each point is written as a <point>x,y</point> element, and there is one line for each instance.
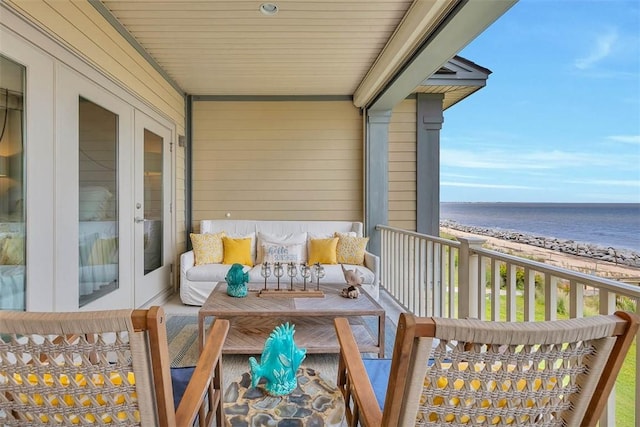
<point>456,79</point>
<point>229,48</point>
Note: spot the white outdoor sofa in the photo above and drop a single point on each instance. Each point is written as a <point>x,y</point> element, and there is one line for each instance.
<point>197,282</point>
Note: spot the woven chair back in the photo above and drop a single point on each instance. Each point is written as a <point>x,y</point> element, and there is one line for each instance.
<point>471,372</point>
<point>75,369</point>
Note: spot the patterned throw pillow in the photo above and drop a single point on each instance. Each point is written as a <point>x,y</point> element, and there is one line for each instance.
<point>237,251</point>
<point>207,248</point>
<point>277,252</point>
<point>322,251</point>
<point>350,249</point>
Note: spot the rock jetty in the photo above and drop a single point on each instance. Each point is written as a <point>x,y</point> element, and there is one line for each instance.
<point>607,254</point>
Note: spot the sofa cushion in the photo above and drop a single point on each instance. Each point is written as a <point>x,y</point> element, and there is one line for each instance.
<point>323,251</point>
<point>283,240</point>
<point>207,248</point>
<point>237,251</point>
<point>350,249</point>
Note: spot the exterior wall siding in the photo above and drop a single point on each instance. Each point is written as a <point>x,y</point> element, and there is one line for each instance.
<point>402,166</point>
<point>277,160</point>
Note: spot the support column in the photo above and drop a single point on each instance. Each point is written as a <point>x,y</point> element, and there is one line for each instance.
<point>428,124</point>
<point>376,176</point>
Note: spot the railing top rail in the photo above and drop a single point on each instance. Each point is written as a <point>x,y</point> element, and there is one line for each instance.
<point>453,243</point>
<point>600,282</point>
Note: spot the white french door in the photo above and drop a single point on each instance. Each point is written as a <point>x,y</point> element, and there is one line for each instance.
<point>93,155</point>
<point>152,208</point>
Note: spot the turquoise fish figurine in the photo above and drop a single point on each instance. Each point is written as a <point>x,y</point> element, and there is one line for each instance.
<point>237,280</point>
<point>280,361</point>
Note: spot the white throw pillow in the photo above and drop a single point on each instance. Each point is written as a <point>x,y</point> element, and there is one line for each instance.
<point>276,252</point>
<point>289,239</point>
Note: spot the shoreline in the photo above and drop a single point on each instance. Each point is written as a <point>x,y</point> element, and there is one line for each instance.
<point>605,267</point>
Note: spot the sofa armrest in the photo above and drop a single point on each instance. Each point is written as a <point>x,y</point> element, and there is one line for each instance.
<point>372,262</point>
<point>187,261</point>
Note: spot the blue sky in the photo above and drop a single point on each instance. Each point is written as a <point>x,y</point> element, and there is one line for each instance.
<point>559,119</point>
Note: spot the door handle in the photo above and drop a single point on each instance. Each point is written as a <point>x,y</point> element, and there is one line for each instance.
<point>139,220</point>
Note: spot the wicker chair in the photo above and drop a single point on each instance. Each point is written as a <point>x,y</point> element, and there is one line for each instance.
<point>101,367</point>
<point>472,372</point>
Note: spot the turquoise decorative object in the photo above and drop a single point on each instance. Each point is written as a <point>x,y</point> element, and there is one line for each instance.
<point>280,361</point>
<point>237,280</point>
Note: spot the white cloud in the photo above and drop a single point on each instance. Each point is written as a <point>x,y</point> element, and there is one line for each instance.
<point>627,139</point>
<point>613,182</point>
<point>518,159</point>
<point>600,50</point>
<point>480,185</point>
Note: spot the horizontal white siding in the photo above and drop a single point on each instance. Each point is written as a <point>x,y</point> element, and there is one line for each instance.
<point>402,166</point>
<point>290,160</point>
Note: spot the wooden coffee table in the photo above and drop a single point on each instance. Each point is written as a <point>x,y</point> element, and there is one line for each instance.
<point>253,318</point>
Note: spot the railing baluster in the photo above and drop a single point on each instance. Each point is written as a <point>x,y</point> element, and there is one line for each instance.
<point>511,292</point>
<point>529,295</point>
<point>453,254</point>
<point>422,268</point>
<point>550,298</point>
<point>441,279</point>
<point>576,299</point>
<point>482,288</point>
<point>429,279</point>
<point>607,302</point>
<point>495,290</point>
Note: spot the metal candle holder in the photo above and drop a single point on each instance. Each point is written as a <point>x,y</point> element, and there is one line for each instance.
<point>318,269</point>
<point>292,270</point>
<point>305,272</point>
<point>265,272</point>
<point>278,271</point>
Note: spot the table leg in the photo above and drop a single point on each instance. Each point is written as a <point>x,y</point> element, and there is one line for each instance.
<point>201,332</point>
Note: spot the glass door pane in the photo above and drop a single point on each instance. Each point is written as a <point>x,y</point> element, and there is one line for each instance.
<point>12,190</point>
<point>98,202</point>
<point>153,203</point>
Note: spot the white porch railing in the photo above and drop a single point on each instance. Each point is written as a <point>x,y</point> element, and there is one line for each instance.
<point>432,276</point>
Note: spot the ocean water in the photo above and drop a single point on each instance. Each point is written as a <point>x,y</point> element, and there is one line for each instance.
<point>614,225</point>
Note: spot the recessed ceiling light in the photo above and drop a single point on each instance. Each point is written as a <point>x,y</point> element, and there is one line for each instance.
<point>269,9</point>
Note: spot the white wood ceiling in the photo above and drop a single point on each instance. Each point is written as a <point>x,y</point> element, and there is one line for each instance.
<point>216,47</point>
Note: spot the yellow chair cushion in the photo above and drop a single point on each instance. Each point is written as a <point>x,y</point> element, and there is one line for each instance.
<point>350,249</point>
<point>323,251</point>
<point>237,251</point>
<point>207,248</point>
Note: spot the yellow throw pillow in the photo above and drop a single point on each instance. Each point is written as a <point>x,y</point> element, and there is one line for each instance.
<point>207,248</point>
<point>12,251</point>
<point>237,251</point>
<point>350,249</point>
<point>323,251</point>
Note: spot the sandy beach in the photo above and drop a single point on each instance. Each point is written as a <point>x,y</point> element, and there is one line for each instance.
<point>582,264</point>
